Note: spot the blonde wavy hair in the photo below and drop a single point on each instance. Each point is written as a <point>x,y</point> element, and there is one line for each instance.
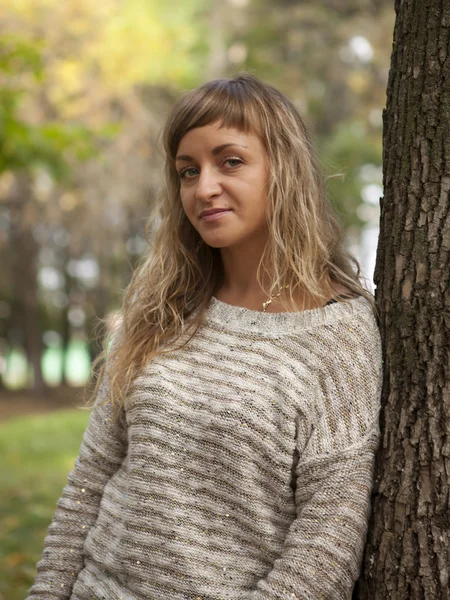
<point>171,289</point>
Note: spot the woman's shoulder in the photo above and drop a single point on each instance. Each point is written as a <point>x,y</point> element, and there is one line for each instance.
<point>354,333</point>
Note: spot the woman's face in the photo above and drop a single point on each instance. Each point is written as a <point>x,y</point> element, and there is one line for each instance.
<point>224,169</point>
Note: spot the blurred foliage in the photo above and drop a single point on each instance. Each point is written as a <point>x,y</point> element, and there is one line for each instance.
<point>23,144</point>
<point>350,148</point>
<point>37,452</point>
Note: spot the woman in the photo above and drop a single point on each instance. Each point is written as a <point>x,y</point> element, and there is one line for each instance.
<point>230,450</point>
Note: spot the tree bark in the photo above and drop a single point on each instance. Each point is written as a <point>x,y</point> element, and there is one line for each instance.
<point>407,555</point>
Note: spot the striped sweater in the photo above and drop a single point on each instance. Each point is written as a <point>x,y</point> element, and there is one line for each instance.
<point>240,469</point>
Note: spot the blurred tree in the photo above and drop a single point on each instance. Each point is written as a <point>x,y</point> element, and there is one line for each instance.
<point>408,548</point>
<point>24,145</point>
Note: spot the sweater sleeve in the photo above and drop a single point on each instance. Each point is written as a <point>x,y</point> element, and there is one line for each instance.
<point>323,549</point>
<point>102,451</point>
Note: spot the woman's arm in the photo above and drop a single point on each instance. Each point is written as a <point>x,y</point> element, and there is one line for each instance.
<point>102,451</point>
<point>323,549</point>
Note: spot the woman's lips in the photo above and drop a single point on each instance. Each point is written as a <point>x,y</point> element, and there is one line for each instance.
<point>215,216</point>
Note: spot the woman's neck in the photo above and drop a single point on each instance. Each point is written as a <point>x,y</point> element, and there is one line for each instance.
<point>240,267</point>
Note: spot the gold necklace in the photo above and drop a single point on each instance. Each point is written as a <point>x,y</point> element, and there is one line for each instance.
<point>269,301</point>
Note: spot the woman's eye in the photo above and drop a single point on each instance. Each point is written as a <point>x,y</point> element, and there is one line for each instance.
<point>187,172</point>
<point>233,162</point>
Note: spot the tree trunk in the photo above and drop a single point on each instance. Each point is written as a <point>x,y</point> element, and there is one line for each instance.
<point>407,554</point>
<point>65,321</point>
<point>24,251</point>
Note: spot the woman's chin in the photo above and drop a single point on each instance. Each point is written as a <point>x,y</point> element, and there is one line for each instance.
<point>217,243</point>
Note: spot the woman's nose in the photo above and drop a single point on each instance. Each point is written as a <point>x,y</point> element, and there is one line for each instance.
<point>208,184</point>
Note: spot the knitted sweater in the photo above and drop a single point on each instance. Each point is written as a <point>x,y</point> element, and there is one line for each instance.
<point>240,469</point>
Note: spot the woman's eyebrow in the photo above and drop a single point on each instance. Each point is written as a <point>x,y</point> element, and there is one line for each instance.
<point>214,151</point>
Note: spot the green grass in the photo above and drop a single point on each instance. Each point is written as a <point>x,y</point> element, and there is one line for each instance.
<point>37,454</point>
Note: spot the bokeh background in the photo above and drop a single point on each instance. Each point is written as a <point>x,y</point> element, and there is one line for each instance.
<point>84,89</point>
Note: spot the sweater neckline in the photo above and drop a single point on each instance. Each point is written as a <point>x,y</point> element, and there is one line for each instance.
<point>238,317</point>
